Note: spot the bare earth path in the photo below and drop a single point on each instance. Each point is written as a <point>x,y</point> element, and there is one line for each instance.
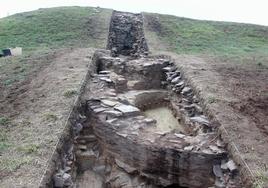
<point>41,111</point>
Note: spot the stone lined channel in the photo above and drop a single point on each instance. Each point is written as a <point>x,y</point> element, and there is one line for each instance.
<point>115,141</point>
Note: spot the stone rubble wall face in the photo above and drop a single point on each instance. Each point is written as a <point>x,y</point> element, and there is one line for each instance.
<point>126,34</point>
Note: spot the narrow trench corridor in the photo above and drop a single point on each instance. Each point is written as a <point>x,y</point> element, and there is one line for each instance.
<point>140,124</point>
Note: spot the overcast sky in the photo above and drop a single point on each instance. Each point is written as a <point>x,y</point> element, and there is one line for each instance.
<point>246,11</point>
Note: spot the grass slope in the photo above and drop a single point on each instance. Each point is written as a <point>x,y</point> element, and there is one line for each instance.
<point>52,28</point>
<point>188,36</point>
<point>42,31</point>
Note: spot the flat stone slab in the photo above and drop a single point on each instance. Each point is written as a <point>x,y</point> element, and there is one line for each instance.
<point>125,166</point>
<point>127,109</point>
<point>98,110</point>
<point>109,102</point>
<point>200,119</point>
<point>113,113</point>
<point>104,72</point>
<point>106,80</point>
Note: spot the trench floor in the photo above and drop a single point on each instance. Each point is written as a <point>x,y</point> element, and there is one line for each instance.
<point>165,120</point>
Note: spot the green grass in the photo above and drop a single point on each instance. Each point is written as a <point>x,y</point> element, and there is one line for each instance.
<point>12,164</point>
<point>4,144</point>
<point>70,93</point>
<point>4,121</point>
<point>50,117</point>
<point>261,180</point>
<point>52,28</point>
<point>42,31</point>
<point>211,99</point>
<point>188,36</point>
<point>16,69</point>
<point>28,149</point>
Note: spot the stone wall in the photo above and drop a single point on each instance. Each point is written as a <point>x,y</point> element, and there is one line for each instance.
<point>126,35</point>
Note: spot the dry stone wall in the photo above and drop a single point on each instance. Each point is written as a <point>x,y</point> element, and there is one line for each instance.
<point>126,35</point>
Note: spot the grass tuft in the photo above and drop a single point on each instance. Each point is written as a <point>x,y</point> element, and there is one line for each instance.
<point>211,100</point>
<point>11,164</point>
<point>28,149</point>
<point>70,93</point>
<point>4,121</point>
<point>261,181</point>
<point>50,117</point>
<point>4,144</point>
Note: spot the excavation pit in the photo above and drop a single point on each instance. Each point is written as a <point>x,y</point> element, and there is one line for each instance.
<point>140,125</point>
<point>147,133</point>
<point>141,128</point>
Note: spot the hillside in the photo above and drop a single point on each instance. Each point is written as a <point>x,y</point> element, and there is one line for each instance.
<point>55,28</point>
<point>57,45</point>
<point>42,31</point>
<point>76,27</point>
<point>226,62</point>
<point>222,39</point>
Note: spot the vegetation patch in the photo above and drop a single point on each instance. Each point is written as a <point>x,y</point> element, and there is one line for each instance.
<point>261,180</point>
<point>50,117</point>
<point>51,28</point>
<point>70,93</point>
<point>4,144</point>
<point>28,149</point>
<point>211,100</point>
<point>226,39</point>
<point>12,164</point>
<point>4,121</point>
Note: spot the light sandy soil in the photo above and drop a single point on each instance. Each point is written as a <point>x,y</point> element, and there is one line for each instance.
<point>40,111</point>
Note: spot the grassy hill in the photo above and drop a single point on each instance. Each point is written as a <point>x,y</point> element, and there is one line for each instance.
<point>55,28</point>
<point>189,36</point>
<point>45,34</point>
<point>40,32</point>
<point>87,27</point>
<point>43,31</point>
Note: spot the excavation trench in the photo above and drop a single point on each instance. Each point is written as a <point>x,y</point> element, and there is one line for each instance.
<point>139,124</point>
<point>137,127</point>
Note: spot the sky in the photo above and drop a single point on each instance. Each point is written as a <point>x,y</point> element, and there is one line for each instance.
<point>245,11</point>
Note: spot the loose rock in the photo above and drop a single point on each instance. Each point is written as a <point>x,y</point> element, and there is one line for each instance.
<point>186,90</point>
<point>200,119</point>
<point>231,165</point>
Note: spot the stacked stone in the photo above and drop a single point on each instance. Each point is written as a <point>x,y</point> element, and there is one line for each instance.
<point>189,102</point>
<point>65,171</point>
<point>224,169</point>
<point>126,36</point>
